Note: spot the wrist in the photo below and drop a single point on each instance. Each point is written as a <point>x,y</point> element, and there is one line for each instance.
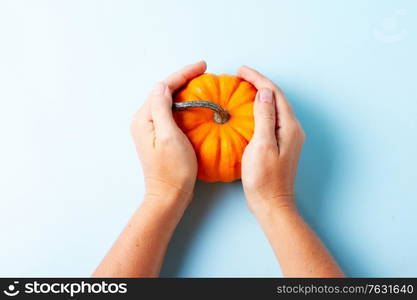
<point>276,215</point>
<point>161,191</point>
<point>264,207</point>
<point>168,205</point>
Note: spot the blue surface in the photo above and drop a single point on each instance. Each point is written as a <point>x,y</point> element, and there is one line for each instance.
<point>73,72</point>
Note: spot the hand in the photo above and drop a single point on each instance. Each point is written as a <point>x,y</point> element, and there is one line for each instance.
<point>168,159</point>
<point>269,166</point>
<point>170,169</point>
<point>269,163</point>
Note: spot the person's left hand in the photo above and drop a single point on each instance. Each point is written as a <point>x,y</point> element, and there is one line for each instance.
<point>168,159</point>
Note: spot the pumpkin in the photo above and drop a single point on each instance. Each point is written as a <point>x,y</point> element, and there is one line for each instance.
<point>216,114</point>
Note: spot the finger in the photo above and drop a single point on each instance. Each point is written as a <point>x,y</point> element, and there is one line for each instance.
<point>285,112</point>
<point>265,116</point>
<point>160,101</point>
<point>181,77</point>
<point>254,77</point>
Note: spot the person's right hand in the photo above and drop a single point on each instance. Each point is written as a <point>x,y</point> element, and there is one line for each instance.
<point>269,165</point>
<point>270,160</point>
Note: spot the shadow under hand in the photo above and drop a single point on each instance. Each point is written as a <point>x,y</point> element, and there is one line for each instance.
<point>319,168</point>
<point>206,197</point>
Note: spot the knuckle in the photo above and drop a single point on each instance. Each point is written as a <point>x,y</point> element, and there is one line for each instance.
<point>296,132</point>
<point>292,129</point>
<point>264,147</point>
<point>167,138</point>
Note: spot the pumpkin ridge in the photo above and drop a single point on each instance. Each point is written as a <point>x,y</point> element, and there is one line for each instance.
<point>202,85</point>
<point>219,152</point>
<point>235,130</point>
<point>237,141</point>
<point>201,139</point>
<point>228,140</point>
<point>246,118</point>
<point>236,116</point>
<point>213,139</point>
<point>179,97</point>
<point>194,128</point>
<point>237,106</point>
<point>242,85</point>
<point>195,97</point>
<point>237,109</point>
<point>235,86</point>
<point>214,94</point>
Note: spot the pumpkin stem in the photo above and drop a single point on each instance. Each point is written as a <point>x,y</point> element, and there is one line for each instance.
<point>220,115</point>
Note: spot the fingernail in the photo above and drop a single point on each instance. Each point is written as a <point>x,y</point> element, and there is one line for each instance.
<point>158,89</point>
<point>265,95</point>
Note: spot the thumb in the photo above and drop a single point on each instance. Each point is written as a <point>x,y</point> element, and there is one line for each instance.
<point>265,115</point>
<point>161,109</point>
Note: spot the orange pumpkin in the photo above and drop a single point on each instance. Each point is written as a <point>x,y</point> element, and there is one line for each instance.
<point>216,114</point>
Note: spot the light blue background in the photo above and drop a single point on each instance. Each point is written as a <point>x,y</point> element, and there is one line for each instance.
<point>72,73</point>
